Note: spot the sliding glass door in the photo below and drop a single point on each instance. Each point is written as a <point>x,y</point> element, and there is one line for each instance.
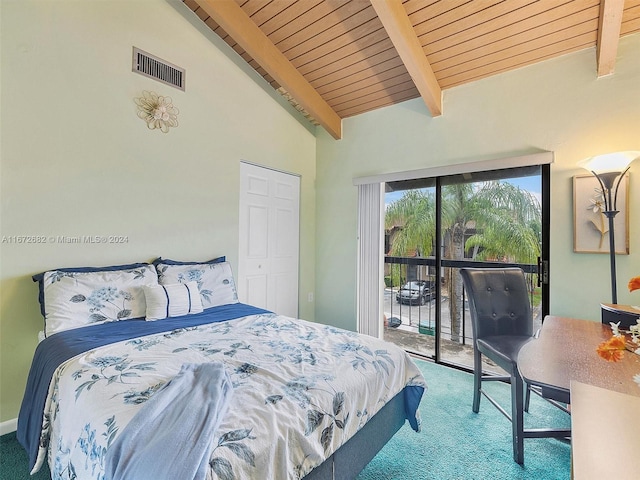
<point>434,227</point>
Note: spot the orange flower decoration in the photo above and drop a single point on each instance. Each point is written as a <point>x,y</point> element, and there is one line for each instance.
<point>634,284</point>
<point>612,350</point>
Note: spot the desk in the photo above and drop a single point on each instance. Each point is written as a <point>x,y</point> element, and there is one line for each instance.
<point>606,434</point>
<point>566,351</point>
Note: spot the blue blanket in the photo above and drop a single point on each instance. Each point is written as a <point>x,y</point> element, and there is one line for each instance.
<point>170,437</point>
<point>58,348</point>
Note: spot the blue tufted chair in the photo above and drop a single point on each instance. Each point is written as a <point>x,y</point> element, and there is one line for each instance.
<point>502,323</point>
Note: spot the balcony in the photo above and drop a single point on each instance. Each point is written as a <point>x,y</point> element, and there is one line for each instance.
<point>416,325</point>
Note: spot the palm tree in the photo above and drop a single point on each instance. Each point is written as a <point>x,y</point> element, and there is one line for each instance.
<point>410,221</point>
<point>504,221</point>
<point>458,211</point>
<point>414,213</point>
<point>511,224</point>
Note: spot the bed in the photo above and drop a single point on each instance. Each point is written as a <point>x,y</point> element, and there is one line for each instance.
<point>307,400</point>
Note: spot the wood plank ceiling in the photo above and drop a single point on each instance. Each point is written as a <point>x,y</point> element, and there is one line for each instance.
<point>338,58</point>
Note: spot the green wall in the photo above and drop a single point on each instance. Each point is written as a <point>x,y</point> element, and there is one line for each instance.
<point>76,160</point>
<point>558,105</point>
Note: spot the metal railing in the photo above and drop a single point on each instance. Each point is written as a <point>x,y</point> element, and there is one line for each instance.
<point>431,314</point>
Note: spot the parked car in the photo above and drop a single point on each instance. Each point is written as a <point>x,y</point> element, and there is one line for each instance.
<point>416,292</point>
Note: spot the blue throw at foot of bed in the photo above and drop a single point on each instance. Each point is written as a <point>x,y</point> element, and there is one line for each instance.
<point>170,437</point>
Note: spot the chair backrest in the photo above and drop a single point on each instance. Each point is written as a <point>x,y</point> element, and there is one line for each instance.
<point>498,301</point>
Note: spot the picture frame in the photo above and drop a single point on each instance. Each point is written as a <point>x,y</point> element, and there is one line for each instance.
<point>590,225</point>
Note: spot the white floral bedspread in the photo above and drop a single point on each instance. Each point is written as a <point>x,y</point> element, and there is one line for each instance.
<point>301,390</point>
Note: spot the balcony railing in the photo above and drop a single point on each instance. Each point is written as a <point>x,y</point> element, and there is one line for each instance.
<point>431,312</point>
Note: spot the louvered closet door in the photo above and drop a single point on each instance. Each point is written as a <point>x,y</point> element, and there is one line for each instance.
<point>269,239</point>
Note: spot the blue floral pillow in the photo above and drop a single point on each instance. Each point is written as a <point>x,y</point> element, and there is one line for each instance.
<point>73,299</point>
<point>215,280</point>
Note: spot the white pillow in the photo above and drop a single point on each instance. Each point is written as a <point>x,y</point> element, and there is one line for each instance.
<point>78,299</point>
<point>215,280</point>
<point>172,300</point>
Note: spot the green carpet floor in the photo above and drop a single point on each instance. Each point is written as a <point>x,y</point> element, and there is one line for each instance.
<point>14,464</point>
<point>454,444</point>
<point>457,444</point>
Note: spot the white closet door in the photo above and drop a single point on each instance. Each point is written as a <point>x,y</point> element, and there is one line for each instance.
<point>269,234</point>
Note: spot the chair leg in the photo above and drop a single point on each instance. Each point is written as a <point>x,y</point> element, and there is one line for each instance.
<point>517,416</point>
<point>527,397</point>
<point>477,379</point>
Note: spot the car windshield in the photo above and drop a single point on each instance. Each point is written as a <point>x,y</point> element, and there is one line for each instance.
<point>412,286</point>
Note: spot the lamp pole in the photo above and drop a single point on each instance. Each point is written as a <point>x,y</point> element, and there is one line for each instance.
<point>611,214</point>
<point>609,167</point>
<point>606,181</point>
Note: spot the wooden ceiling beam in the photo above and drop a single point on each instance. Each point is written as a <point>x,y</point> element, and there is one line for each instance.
<point>248,35</point>
<point>396,22</point>
<point>608,35</point>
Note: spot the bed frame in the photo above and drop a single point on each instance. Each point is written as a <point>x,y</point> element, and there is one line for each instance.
<point>357,452</point>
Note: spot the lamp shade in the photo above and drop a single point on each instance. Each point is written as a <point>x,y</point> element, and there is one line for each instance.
<point>609,162</point>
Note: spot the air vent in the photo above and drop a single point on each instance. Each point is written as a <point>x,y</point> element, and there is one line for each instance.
<point>158,69</point>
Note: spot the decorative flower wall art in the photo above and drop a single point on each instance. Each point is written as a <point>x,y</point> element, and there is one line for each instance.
<point>590,225</point>
<point>157,111</point>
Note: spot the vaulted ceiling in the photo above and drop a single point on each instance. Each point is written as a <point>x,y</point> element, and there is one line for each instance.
<point>337,58</point>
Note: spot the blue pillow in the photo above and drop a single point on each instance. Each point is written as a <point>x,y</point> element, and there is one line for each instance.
<point>40,276</point>
<point>166,261</point>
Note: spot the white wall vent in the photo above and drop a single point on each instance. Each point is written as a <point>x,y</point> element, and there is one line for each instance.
<point>158,69</point>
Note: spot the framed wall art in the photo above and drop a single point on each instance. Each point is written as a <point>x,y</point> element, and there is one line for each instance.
<point>590,225</point>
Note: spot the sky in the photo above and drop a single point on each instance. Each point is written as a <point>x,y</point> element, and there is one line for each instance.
<point>531,184</point>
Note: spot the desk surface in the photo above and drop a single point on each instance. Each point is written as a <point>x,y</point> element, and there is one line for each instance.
<point>605,434</point>
<point>566,351</point>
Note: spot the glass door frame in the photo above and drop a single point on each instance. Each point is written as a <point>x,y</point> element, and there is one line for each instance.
<point>541,268</point>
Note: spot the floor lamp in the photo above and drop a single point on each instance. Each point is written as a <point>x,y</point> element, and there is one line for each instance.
<point>607,168</point>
